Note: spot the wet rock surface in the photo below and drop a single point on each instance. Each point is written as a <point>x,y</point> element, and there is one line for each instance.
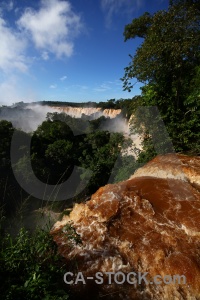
<point>149,223</point>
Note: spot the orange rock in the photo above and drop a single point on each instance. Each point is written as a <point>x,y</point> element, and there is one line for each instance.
<point>149,223</point>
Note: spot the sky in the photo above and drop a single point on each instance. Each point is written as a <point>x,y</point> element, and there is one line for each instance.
<point>67,50</point>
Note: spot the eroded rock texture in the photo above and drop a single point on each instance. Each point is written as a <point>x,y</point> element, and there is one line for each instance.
<point>150,223</point>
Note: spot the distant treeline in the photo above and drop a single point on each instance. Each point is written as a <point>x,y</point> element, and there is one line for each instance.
<point>126,105</point>
<point>61,103</point>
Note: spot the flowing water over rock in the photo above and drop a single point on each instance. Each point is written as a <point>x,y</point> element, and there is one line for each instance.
<point>149,223</point>
<point>77,112</point>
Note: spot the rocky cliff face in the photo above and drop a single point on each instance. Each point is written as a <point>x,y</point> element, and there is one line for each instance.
<point>77,112</point>
<point>29,116</point>
<point>149,225</point>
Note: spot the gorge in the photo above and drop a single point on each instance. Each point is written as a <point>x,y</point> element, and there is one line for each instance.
<point>77,112</point>
<point>29,116</point>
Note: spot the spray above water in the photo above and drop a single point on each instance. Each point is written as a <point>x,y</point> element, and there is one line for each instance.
<point>28,117</point>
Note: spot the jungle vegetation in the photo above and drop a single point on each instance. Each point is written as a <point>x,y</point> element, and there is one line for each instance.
<point>167,62</point>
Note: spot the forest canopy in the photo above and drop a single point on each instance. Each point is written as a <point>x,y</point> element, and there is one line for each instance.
<point>168,64</point>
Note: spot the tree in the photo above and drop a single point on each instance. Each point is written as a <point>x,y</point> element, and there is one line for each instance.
<point>100,150</point>
<point>6,132</point>
<point>167,63</point>
<point>54,130</point>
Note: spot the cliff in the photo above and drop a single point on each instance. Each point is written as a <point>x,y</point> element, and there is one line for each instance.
<point>77,112</point>
<point>29,116</point>
<point>149,223</point>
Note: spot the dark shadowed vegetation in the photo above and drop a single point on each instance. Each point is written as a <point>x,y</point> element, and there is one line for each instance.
<point>168,64</point>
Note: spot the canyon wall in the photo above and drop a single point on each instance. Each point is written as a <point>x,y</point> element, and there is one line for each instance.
<point>119,123</point>
<point>77,112</point>
<point>149,224</point>
<point>29,117</point>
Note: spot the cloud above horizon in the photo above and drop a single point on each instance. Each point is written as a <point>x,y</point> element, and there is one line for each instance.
<point>41,34</point>
<point>108,85</point>
<point>12,49</point>
<point>53,86</point>
<point>52,27</point>
<point>112,8</point>
<point>63,78</point>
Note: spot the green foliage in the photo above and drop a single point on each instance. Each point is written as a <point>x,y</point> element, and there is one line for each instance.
<point>148,152</point>
<point>9,190</point>
<point>96,123</point>
<point>167,62</point>
<point>6,132</point>
<point>60,151</point>
<point>100,149</point>
<point>50,131</point>
<point>75,125</point>
<point>126,165</point>
<point>139,27</point>
<point>55,150</point>
<point>170,47</point>
<point>31,267</point>
<point>72,236</point>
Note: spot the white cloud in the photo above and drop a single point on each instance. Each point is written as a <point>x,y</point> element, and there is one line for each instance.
<point>84,87</point>
<point>109,85</point>
<point>102,88</point>
<point>77,87</point>
<point>6,6</point>
<point>53,86</point>
<point>63,78</point>
<point>45,55</point>
<point>10,5</point>
<point>52,28</point>
<point>12,89</point>
<point>115,7</point>
<point>116,82</point>
<point>12,49</point>
<point>8,92</point>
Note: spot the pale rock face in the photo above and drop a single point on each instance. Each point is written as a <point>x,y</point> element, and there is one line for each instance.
<point>78,111</point>
<point>149,223</point>
<point>172,166</point>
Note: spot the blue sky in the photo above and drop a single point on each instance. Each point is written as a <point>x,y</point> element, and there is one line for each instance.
<point>67,50</point>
